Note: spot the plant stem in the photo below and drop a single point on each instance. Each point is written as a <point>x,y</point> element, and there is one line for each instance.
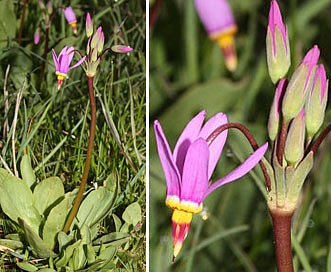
<point>86,170</point>
<point>250,139</point>
<point>281,142</point>
<point>20,32</point>
<point>282,231</point>
<point>43,64</point>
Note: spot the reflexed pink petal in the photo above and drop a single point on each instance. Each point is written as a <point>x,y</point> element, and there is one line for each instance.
<point>70,15</point>
<point>216,148</point>
<point>70,53</point>
<point>56,62</point>
<point>195,173</point>
<point>63,51</point>
<point>189,135</point>
<point>64,64</point>
<point>241,170</point>
<point>78,63</point>
<point>216,15</point>
<point>169,167</point>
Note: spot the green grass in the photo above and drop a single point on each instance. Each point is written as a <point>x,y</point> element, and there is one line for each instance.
<point>52,126</point>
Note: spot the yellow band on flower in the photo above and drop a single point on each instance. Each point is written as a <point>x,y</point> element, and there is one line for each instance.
<point>225,40</point>
<point>60,76</point>
<point>181,217</point>
<point>74,26</point>
<point>185,205</point>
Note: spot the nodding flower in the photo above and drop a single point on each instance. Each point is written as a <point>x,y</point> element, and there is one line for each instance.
<point>188,169</point>
<point>219,22</point>
<point>62,63</point>
<point>71,18</point>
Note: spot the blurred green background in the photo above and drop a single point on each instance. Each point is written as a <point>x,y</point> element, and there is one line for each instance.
<point>187,74</point>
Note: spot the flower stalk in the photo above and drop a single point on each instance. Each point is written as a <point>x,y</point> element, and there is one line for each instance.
<point>89,153</point>
<point>282,233</point>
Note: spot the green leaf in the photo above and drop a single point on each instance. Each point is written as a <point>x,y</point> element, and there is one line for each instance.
<point>12,244</point>
<point>47,193</point>
<point>26,171</point>
<point>117,222</point>
<point>55,221</point>
<point>106,253</point>
<point>17,201</point>
<point>113,238</point>
<point>4,174</point>
<point>97,204</point>
<point>7,21</point>
<point>40,247</point>
<point>27,266</point>
<point>132,214</point>
<point>78,257</point>
<point>67,254</point>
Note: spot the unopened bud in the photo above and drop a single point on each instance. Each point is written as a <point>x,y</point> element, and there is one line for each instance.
<point>273,123</point>
<point>316,102</point>
<point>277,44</point>
<point>299,85</point>
<point>294,146</point>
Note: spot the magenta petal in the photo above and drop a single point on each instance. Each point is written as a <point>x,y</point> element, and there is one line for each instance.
<point>64,64</point>
<point>216,148</point>
<point>169,167</point>
<point>56,62</point>
<point>78,63</point>
<point>63,51</point>
<point>189,135</point>
<point>195,180</point>
<point>241,170</point>
<point>70,53</point>
<point>216,15</point>
<point>275,19</point>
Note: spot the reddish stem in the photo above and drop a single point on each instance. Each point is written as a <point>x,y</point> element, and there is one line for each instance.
<point>20,32</point>
<point>282,231</point>
<point>281,142</point>
<point>154,12</point>
<point>250,139</point>
<point>319,139</point>
<point>89,153</point>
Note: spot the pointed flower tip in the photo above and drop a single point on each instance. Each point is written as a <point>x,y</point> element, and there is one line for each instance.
<point>312,56</point>
<point>36,37</point>
<point>121,48</point>
<point>275,19</point>
<point>89,25</point>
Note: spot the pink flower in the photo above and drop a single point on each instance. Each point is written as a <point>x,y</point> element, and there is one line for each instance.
<point>189,167</point>
<point>121,48</point>
<point>62,63</point>
<point>71,18</point>
<point>218,20</point>
<point>36,37</point>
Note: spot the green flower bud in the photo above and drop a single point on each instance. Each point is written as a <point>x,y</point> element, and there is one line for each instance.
<point>316,102</point>
<point>295,141</point>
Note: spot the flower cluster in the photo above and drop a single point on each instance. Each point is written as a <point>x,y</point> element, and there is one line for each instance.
<point>296,115</point>
<point>95,46</point>
<point>188,169</point>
